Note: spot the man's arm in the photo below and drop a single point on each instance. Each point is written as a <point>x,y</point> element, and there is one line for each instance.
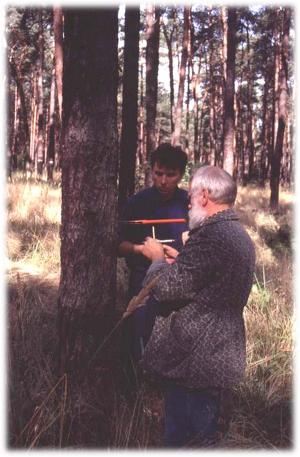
<point>195,267</point>
<point>128,248</point>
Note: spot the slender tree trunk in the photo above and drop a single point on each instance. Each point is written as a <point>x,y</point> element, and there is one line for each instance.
<point>225,45</point>
<point>129,134</point>
<point>152,61</point>
<point>274,117</point>
<point>250,143</point>
<point>51,130</point>
<point>169,39</point>
<point>282,110</point>
<point>89,185</point>
<point>182,72</point>
<point>58,52</point>
<point>212,130</point>
<point>195,92</point>
<point>202,143</point>
<point>58,43</point>
<point>239,138</point>
<point>15,134</point>
<point>40,121</point>
<point>228,154</point>
<point>264,148</point>
<point>23,110</point>
<point>187,124</point>
<point>22,135</point>
<point>33,120</point>
<point>141,150</point>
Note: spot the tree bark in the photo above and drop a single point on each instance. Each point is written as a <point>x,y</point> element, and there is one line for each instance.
<point>195,93</point>
<point>263,155</point>
<point>141,150</point>
<point>182,72</point>
<point>51,130</point>
<point>21,137</point>
<point>39,155</point>
<point>58,21</point>
<point>250,143</point>
<point>89,184</point>
<point>16,126</point>
<point>228,152</point>
<point>129,134</point>
<point>282,109</point>
<point>169,40</point>
<point>152,61</point>
<point>58,50</point>
<point>33,118</point>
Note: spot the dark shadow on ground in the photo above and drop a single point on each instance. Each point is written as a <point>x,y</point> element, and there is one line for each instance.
<point>48,411</point>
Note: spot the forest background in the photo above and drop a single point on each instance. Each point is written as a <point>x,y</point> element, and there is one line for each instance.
<point>228,99</point>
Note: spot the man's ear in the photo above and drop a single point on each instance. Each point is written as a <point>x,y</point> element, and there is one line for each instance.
<point>204,197</point>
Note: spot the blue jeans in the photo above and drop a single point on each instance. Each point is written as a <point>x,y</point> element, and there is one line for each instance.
<point>191,416</point>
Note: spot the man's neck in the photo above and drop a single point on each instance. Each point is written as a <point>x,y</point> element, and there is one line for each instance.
<point>167,197</point>
<point>214,208</point>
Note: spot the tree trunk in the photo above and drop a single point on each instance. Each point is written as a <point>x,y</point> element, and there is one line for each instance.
<point>89,184</point>
<point>169,39</point>
<point>129,134</point>
<point>225,44</point>
<point>58,50</point>
<point>196,97</point>
<point>39,156</point>
<point>13,158</point>
<point>152,61</point>
<point>187,123</point>
<point>282,109</point>
<point>250,143</point>
<point>21,135</point>
<point>33,120</point>
<point>263,152</point>
<point>51,130</point>
<point>141,150</point>
<point>239,137</point>
<point>182,72</point>
<point>228,152</point>
<point>212,115</point>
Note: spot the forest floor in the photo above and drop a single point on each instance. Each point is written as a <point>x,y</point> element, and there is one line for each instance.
<point>262,406</point>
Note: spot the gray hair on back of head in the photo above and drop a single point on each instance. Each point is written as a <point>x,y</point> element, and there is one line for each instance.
<point>220,185</point>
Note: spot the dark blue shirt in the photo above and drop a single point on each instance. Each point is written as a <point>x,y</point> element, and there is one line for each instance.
<point>148,204</point>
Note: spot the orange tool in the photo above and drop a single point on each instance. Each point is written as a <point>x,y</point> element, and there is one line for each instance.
<point>155,221</point>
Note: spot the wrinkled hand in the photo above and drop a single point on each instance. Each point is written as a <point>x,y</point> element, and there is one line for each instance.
<point>170,253</point>
<point>153,249</point>
<point>185,236</point>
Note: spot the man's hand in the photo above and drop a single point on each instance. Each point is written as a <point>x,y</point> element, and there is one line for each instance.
<point>153,249</point>
<point>185,237</point>
<point>170,253</point>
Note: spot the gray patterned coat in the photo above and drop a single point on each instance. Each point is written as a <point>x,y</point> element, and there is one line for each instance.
<point>201,342</point>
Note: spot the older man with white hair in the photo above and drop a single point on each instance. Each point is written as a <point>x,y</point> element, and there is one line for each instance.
<point>197,345</point>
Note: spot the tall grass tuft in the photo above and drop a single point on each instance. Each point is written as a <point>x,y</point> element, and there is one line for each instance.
<point>47,411</point>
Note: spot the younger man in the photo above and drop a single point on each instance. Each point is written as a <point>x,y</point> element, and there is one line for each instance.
<point>164,200</point>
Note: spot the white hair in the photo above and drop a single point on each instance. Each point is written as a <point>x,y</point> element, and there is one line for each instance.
<point>220,185</point>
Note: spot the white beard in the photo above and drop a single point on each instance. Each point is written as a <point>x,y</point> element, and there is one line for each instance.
<point>196,217</point>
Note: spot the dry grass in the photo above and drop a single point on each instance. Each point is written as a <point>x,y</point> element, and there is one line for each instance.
<point>34,217</point>
<point>39,401</point>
